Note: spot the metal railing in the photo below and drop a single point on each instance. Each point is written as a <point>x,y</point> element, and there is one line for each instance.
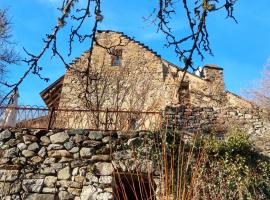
<point>90,119</point>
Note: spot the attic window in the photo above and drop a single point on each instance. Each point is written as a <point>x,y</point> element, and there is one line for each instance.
<point>117,57</point>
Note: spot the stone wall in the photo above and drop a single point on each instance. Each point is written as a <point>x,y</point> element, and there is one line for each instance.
<point>74,164</point>
<point>218,120</point>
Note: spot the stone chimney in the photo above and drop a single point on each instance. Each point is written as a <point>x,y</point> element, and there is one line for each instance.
<point>214,75</point>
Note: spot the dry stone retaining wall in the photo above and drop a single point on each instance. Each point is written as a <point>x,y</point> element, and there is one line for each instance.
<point>73,164</point>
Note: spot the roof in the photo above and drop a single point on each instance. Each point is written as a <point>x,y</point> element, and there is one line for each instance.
<point>51,95</point>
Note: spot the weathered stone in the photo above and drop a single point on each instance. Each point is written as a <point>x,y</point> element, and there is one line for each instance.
<point>78,138</point>
<point>64,173</point>
<point>28,139</point>
<point>89,193</point>
<point>105,179</point>
<point>4,135</point>
<point>50,181</point>
<point>49,160</point>
<point>42,152</point>
<point>12,142</point>
<point>79,179</point>
<point>36,196</point>
<point>66,184</point>
<point>69,145</point>
<point>91,178</point>
<point>105,196</point>
<point>74,191</point>
<point>8,175</point>
<point>86,152</point>
<point>36,159</point>
<point>32,185</point>
<point>48,171</point>
<point>104,168</point>
<point>74,150</point>
<point>28,153</point>
<point>100,158</point>
<point>49,190</point>
<point>91,143</point>
<point>63,195</point>
<point>45,140</point>
<point>65,160</point>
<point>58,153</point>
<point>60,137</point>
<point>75,171</point>
<point>33,147</point>
<point>55,147</point>
<point>10,153</point>
<point>95,135</point>
<point>15,187</point>
<point>21,146</point>
<point>106,139</point>
<point>4,188</point>
<point>4,160</point>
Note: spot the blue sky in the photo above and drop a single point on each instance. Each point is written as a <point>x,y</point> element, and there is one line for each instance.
<point>241,49</point>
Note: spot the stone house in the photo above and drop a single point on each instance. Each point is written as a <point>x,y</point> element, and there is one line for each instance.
<point>121,73</point>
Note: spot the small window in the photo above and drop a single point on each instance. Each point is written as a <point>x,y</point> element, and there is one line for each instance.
<point>117,57</point>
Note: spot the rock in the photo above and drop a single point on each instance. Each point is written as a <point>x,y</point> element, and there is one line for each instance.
<point>11,153</point>
<point>75,171</point>
<point>21,146</point>
<point>89,193</point>
<point>100,158</point>
<point>69,145</point>
<point>4,160</point>
<point>15,187</point>
<point>91,143</point>
<point>91,178</point>
<point>4,135</point>
<point>135,142</point>
<point>49,160</point>
<point>106,139</point>
<point>79,179</point>
<point>104,168</point>
<point>86,152</point>
<point>105,196</point>
<point>36,196</point>
<point>59,153</point>
<point>78,138</point>
<point>49,190</point>
<point>12,142</point>
<point>66,184</point>
<point>50,181</point>
<point>60,137</point>
<point>28,139</point>
<point>74,150</point>
<point>36,159</point>
<point>95,135</point>
<point>27,153</point>
<point>48,171</point>
<point>74,191</point>
<point>64,173</point>
<point>64,195</point>
<point>45,140</point>
<point>5,188</point>
<point>55,147</point>
<point>33,147</point>
<point>105,179</point>
<point>32,185</point>
<point>42,152</point>
<point>8,175</point>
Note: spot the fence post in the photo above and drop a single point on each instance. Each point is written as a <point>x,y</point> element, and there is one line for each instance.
<point>51,115</point>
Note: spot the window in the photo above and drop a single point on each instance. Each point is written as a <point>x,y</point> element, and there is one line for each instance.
<point>116,57</point>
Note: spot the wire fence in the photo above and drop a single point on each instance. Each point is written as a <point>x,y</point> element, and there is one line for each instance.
<point>90,119</point>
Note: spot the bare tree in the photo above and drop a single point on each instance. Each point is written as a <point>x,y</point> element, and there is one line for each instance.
<point>260,92</point>
<point>7,53</point>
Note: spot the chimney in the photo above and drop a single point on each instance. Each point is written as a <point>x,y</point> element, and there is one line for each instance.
<point>214,75</point>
